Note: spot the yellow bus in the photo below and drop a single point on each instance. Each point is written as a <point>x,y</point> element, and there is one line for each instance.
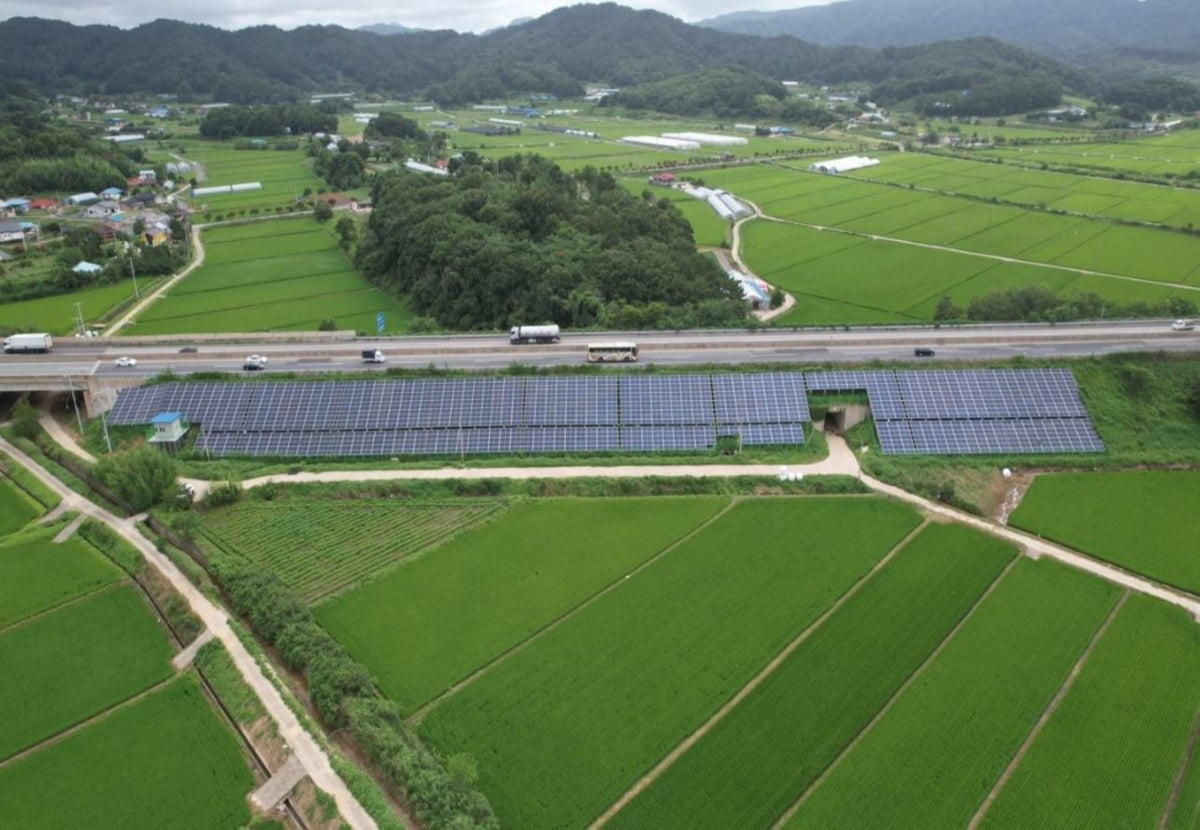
<point>616,352</point>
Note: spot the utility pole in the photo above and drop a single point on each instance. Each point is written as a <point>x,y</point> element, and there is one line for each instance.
<point>75,403</point>
<point>107,440</point>
<point>133,273</point>
<point>79,330</point>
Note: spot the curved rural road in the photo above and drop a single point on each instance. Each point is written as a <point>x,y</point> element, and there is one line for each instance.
<point>310,754</point>
<point>139,307</point>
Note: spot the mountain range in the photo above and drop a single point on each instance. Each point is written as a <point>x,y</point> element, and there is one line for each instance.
<point>1088,32</point>
<point>558,52</point>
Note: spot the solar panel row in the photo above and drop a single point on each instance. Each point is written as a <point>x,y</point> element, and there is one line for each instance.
<point>483,440</point>
<point>653,400</point>
<point>926,412</point>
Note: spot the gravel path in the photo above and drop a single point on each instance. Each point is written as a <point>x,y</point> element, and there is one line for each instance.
<point>311,755</point>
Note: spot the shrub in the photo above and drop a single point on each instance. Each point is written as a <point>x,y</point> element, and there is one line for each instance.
<point>227,492</point>
<point>142,477</point>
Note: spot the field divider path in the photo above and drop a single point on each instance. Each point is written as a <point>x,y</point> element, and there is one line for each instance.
<point>979,254</point>
<point>37,615</point>
<point>301,742</point>
<point>896,695</point>
<point>1036,546</point>
<point>1048,713</point>
<point>691,740</point>
<point>62,735</point>
<point>1185,763</point>
<point>141,305</point>
<point>418,716</point>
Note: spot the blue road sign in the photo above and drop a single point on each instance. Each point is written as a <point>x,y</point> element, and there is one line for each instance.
<point>379,326</point>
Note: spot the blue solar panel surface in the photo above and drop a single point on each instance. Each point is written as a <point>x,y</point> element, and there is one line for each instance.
<point>935,412</point>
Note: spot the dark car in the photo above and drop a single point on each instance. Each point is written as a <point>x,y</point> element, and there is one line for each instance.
<point>188,350</point>
<point>923,351</point>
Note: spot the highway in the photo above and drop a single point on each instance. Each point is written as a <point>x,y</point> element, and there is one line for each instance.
<point>76,357</point>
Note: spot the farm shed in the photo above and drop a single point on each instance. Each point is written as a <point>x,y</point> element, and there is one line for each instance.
<point>418,167</point>
<point>708,138</point>
<point>16,204</point>
<point>660,143</point>
<point>84,267</point>
<point>81,199</point>
<point>842,165</point>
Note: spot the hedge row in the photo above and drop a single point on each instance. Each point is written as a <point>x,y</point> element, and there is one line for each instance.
<point>344,695</point>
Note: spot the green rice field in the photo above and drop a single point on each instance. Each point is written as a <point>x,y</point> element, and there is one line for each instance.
<point>56,314</point>
<point>1176,154</point>
<point>1107,516</point>
<point>489,589</point>
<point>16,508</point>
<point>36,574</point>
<point>1054,191</point>
<point>284,175</point>
<point>966,715</point>
<point>561,728</point>
<point>1108,755</point>
<point>756,762</point>
<point>164,761</point>
<point>269,276</point>
<point>890,253</point>
<point>76,662</point>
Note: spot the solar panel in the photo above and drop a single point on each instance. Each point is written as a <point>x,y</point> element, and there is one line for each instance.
<point>666,399</point>
<point>838,381</point>
<point>674,437</point>
<point>761,435</point>
<point>540,439</point>
<point>769,398</point>
<point>895,437</point>
<point>1025,435</point>
<point>571,401</point>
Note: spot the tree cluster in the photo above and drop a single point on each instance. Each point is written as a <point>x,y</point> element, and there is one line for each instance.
<point>1038,303</point>
<point>294,119</point>
<point>38,154</point>
<point>519,241</point>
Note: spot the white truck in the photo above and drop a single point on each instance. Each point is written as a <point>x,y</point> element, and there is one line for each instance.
<point>373,356</point>
<point>19,343</point>
<point>533,334</point>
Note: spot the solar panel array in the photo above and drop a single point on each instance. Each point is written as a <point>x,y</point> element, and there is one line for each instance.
<point>480,415</point>
<point>928,412</point>
<point>971,412</point>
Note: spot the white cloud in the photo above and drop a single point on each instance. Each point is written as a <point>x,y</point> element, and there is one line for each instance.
<point>237,14</point>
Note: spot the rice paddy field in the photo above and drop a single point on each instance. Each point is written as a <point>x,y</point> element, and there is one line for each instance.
<point>1075,193</point>
<point>56,313</point>
<point>177,766</point>
<point>284,175</point>
<point>96,727</point>
<point>684,662</point>
<point>575,152</point>
<point>270,276</point>
<point>1172,155</point>
<point>1107,515</point>
<point>861,251</point>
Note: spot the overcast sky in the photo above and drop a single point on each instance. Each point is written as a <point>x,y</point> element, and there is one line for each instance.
<point>463,15</point>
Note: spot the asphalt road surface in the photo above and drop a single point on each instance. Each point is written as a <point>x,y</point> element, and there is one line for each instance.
<point>490,351</point>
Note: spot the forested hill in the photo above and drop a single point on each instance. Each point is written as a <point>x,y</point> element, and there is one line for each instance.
<point>1167,31</point>
<point>555,53</point>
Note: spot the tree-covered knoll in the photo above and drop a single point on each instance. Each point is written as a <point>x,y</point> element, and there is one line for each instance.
<point>229,122</point>
<point>726,92</point>
<point>39,154</point>
<point>520,242</point>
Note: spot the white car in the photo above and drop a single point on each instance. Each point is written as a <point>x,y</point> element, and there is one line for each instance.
<point>257,358</point>
<point>1183,325</point>
<point>126,362</point>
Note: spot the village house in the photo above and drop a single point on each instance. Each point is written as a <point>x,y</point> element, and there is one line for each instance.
<point>102,209</point>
